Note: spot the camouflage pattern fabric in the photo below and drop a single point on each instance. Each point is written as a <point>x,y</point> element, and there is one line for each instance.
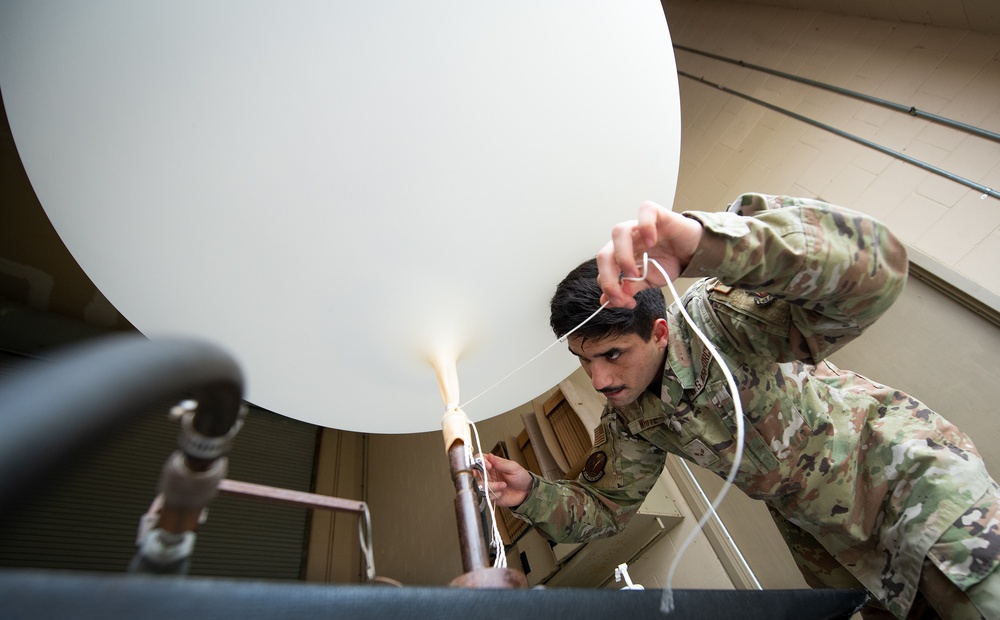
<point>968,550</point>
<point>973,534</point>
<point>869,472</point>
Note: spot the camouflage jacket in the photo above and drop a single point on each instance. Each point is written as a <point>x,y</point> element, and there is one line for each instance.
<point>871,473</point>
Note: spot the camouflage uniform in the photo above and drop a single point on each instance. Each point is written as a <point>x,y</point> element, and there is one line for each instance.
<point>868,471</point>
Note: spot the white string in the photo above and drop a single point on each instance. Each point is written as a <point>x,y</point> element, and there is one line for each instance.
<point>540,353</point>
<point>365,537</point>
<point>667,601</point>
<point>497,543</point>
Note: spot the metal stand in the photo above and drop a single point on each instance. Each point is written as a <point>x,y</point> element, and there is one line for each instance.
<point>475,559</point>
<point>458,446</point>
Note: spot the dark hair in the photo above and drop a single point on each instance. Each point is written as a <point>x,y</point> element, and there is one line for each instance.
<point>579,295</point>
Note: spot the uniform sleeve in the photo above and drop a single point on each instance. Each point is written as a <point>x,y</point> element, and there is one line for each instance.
<point>797,278</point>
<point>620,471</point>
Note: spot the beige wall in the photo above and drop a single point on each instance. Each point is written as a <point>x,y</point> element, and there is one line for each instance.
<point>976,15</point>
<point>927,344</point>
<point>334,554</point>
<point>730,145</point>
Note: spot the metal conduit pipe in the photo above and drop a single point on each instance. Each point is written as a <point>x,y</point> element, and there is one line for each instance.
<point>911,110</point>
<point>986,191</point>
<point>50,411</point>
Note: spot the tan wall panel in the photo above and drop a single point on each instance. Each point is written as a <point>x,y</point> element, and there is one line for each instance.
<point>927,345</point>
<point>334,554</point>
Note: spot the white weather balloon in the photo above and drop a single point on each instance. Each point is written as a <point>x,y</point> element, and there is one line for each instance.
<point>335,191</point>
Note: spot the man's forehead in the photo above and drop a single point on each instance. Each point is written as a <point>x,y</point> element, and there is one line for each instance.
<point>593,346</point>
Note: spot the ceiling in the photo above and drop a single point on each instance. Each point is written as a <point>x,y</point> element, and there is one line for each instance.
<point>976,15</point>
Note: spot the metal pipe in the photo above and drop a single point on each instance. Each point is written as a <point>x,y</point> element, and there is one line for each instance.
<point>290,497</point>
<point>470,529</point>
<point>986,191</point>
<point>50,411</point>
<point>911,110</point>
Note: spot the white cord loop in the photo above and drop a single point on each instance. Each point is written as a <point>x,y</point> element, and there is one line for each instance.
<point>365,538</point>
<point>667,601</point>
<point>496,542</point>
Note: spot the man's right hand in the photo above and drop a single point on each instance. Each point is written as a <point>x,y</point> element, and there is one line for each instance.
<point>510,483</point>
<point>669,238</point>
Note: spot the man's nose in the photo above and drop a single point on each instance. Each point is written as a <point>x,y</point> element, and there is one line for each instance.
<point>600,377</point>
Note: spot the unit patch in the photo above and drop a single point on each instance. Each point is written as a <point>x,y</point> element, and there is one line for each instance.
<point>698,451</point>
<point>594,469</point>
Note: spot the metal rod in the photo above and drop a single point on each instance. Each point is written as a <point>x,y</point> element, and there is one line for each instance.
<point>911,110</point>
<point>289,497</point>
<point>878,147</point>
<point>470,529</point>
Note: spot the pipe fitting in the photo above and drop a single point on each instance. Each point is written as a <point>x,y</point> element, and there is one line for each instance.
<point>199,446</point>
<point>183,487</point>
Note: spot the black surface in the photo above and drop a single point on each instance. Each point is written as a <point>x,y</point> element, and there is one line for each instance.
<point>41,595</point>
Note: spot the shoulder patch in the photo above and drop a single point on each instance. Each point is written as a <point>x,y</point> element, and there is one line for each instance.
<point>600,436</point>
<point>594,469</point>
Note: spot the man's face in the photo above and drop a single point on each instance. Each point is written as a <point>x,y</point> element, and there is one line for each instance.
<point>622,367</point>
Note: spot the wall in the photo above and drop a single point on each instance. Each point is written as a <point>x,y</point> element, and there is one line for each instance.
<point>927,344</point>
<point>731,145</point>
<point>334,554</point>
<point>975,15</point>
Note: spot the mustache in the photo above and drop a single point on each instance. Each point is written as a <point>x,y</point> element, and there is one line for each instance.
<point>613,388</point>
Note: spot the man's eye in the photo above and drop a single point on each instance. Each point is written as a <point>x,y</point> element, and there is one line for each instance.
<point>613,355</point>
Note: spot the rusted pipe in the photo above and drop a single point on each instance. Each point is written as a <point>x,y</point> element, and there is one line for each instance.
<point>289,497</point>
<point>470,529</point>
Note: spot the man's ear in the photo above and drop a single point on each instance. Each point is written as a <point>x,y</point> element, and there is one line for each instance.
<point>660,332</point>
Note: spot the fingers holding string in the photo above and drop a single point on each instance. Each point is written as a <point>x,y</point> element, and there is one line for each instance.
<point>669,238</point>
<point>619,265</point>
<point>483,469</point>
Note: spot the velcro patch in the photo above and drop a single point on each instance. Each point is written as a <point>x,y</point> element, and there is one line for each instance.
<point>701,453</point>
<point>637,426</point>
<point>600,436</point>
<point>706,367</point>
<point>594,469</point>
